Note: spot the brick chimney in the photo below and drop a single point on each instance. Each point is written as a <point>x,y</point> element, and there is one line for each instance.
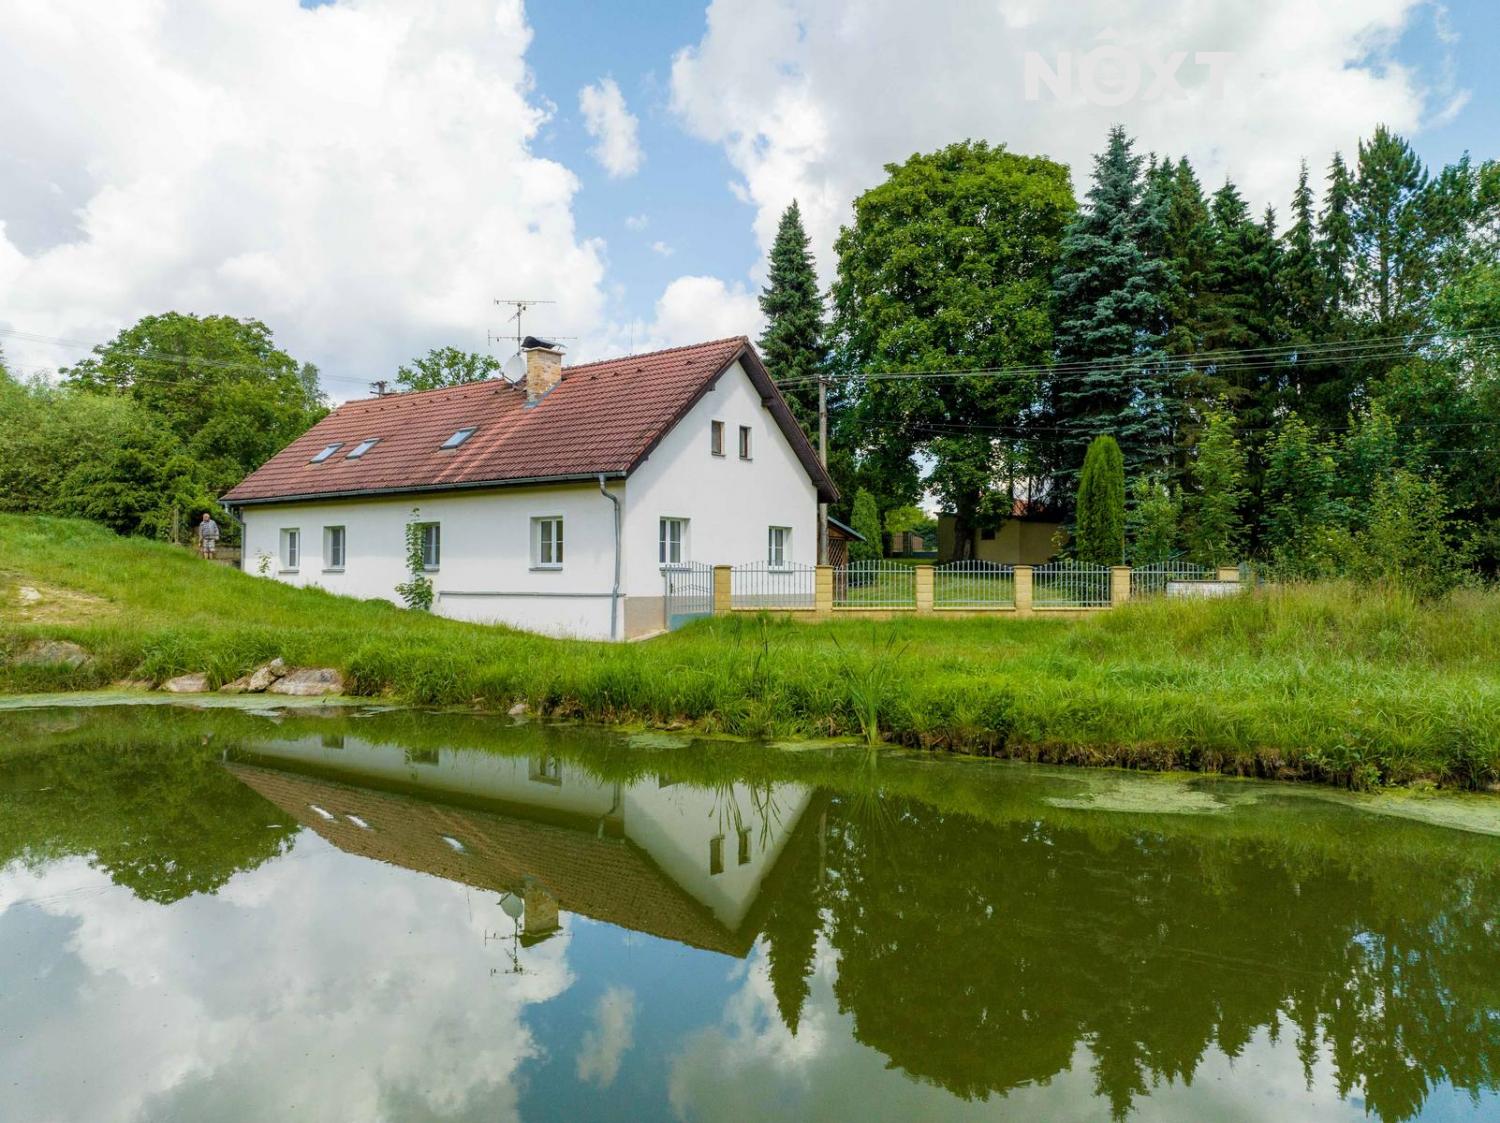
<point>543,366</point>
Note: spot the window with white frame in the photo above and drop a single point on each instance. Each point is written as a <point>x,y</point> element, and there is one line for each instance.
<point>716,437</point>
<point>672,542</point>
<point>744,442</point>
<point>432,545</point>
<point>779,546</point>
<point>291,548</point>
<point>333,547</point>
<point>547,542</point>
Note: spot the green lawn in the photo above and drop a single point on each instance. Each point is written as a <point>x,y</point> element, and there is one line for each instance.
<point>1329,682</point>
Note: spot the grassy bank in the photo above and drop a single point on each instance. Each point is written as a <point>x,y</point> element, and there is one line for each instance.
<point>1330,682</point>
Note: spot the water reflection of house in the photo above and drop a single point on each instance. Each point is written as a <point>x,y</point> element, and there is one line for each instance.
<point>680,862</point>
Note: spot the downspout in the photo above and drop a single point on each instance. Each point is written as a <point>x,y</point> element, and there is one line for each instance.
<point>614,593</point>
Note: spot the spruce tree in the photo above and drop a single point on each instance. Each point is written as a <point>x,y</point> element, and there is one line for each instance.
<point>792,345</point>
<point>1107,311</point>
<point>1336,239</point>
<point>1392,253</point>
<point>1100,534</point>
<point>1304,309</point>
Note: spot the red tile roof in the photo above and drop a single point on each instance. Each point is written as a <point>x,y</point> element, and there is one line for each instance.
<point>603,417</point>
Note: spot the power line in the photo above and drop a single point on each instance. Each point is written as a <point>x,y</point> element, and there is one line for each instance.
<point>1217,362</point>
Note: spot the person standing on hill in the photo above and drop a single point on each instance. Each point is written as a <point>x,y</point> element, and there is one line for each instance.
<point>208,536</point>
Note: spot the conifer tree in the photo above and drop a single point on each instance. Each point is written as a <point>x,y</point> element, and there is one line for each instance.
<point>793,342</point>
<point>1100,535</point>
<point>866,522</point>
<point>1107,310</point>
<point>1336,239</point>
<point>1304,308</point>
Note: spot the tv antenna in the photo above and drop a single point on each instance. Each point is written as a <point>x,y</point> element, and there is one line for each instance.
<point>521,308</point>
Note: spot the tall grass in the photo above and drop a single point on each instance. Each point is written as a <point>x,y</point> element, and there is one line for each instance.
<point>1327,682</point>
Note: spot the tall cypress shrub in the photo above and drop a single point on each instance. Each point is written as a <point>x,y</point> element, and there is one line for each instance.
<point>1101,504</point>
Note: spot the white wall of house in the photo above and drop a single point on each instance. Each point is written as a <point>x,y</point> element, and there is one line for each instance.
<point>729,503</point>
<point>485,570</point>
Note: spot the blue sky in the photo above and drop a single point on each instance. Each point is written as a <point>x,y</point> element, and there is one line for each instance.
<point>369,175</point>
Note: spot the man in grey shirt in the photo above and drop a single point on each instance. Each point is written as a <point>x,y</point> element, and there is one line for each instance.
<point>208,536</point>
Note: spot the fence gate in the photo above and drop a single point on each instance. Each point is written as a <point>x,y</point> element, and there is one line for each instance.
<point>689,592</point>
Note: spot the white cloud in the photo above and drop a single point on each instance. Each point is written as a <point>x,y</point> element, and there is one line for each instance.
<point>605,1044</point>
<point>359,177</point>
<point>212,1008</point>
<point>636,221</point>
<point>613,127</point>
<point>809,99</point>
<point>661,248</point>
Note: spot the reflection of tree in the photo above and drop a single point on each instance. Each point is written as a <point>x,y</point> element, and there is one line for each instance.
<point>160,816</point>
<point>981,956</point>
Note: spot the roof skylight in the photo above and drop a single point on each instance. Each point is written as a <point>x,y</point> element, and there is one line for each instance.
<point>327,452</point>
<point>363,447</point>
<point>459,437</point>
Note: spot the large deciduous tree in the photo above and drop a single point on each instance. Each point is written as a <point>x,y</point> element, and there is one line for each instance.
<point>446,366</point>
<point>221,385</point>
<point>946,267</point>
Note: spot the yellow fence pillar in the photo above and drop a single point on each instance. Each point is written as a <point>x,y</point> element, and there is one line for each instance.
<point>722,587</point>
<point>1229,573</point>
<point>923,575</point>
<point>1119,585</point>
<point>823,591</point>
<point>1023,589</point>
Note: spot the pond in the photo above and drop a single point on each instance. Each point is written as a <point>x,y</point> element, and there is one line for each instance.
<point>313,913</point>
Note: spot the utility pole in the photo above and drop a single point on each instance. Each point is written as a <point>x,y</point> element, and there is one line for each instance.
<point>380,387</point>
<point>823,459</point>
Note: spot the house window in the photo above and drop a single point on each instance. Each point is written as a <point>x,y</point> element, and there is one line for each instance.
<point>459,437</point>
<point>546,769</point>
<point>333,547</point>
<point>744,442</point>
<point>432,545</point>
<point>716,437</point>
<point>363,447</point>
<point>744,846</point>
<point>547,543</point>
<point>779,546</point>
<point>716,854</point>
<point>327,452</point>
<point>291,549</point>
<point>672,542</point>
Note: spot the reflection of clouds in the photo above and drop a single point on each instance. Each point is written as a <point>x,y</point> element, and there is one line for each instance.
<point>610,1038</point>
<point>321,986</point>
<point>750,1065</point>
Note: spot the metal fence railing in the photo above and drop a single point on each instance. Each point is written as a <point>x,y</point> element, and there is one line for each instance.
<point>1066,584</point>
<point>763,585</point>
<point>875,584</point>
<point>1151,580</point>
<point>973,584</point>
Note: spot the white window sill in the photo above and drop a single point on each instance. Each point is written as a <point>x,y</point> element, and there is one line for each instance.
<point>546,568</point>
<point>430,569</point>
<point>333,569</point>
<point>677,565</point>
<point>287,572</point>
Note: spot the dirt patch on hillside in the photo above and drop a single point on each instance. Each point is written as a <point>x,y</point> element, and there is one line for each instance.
<point>23,601</point>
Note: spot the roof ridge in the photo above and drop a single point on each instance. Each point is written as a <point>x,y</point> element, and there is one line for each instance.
<point>662,351</point>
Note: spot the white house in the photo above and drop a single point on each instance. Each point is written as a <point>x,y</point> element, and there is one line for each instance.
<point>552,503</point>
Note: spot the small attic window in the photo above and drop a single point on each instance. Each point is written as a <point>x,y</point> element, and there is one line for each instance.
<point>327,452</point>
<point>459,437</point>
<point>363,447</point>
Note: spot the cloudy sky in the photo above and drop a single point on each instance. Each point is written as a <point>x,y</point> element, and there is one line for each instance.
<point>369,176</point>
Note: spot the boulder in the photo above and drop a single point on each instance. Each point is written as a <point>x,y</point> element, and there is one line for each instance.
<point>51,653</point>
<point>257,681</point>
<point>307,681</point>
<point>195,683</point>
